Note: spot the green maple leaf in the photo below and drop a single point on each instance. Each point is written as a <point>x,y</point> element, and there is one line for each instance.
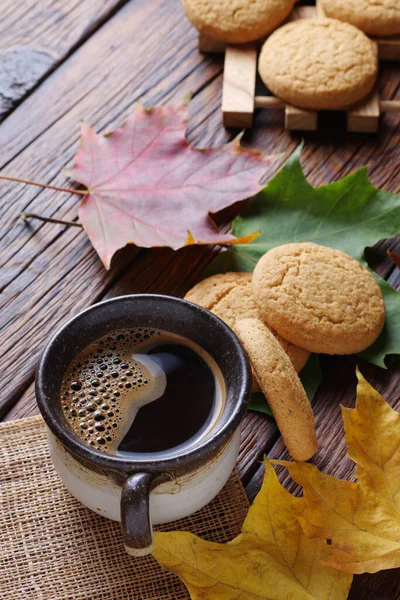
<point>350,215</point>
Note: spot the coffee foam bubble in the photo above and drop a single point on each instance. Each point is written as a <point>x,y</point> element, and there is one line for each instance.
<point>107,383</point>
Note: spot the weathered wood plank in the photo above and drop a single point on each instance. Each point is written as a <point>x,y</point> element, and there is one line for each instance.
<point>149,51</point>
<point>25,407</point>
<point>55,272</point>
<point>48,279</point>
<point>55,268</point>
<point>259,434</point>
<point>379,586</point>
<point>37,36</point>
<point>122,63</point>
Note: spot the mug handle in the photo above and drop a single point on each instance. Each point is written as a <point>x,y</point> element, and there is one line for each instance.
<point>136,526</point>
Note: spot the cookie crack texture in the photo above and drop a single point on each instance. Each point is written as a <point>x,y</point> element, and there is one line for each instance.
<point>217,305</point>
<point>230,297</point>
<point>319,63</point>
<point>375,17</point>
<point>318,298</point>
<point>210,292</point>
<point>237,21</point>
<point>282,387</point>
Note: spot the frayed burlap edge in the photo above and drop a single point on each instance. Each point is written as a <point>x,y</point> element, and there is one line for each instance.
<point>52,547</point>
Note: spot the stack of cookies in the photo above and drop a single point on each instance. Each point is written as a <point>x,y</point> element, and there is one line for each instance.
<point>324,63</point>
<point>301,298</point>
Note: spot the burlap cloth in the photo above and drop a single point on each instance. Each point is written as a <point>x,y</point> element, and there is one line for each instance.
<point>53,547</point>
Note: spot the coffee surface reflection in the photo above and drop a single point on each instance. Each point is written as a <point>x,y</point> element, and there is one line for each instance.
<point>142,390</point>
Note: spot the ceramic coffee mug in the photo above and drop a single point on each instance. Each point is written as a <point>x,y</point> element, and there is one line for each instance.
<point>147,489</point>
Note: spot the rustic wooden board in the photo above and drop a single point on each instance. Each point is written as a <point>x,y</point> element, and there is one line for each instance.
<point>41,256</point>
<point>148,51</point>
<point>35,37</point>
<point>37,257</point>
<point>45,256</point>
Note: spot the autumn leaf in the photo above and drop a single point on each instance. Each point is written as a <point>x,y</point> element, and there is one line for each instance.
<point>272,558</point>
<point>362,519</point>
<point>350,215</point>
<point>147,186</point>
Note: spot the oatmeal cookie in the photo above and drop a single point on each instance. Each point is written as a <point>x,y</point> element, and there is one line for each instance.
<point>318,298</point>
<point>319,64</point>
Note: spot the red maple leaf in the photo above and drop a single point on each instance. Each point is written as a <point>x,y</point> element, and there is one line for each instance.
<point>147,186</point>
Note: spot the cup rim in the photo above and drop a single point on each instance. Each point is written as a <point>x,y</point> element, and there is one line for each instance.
<point>111,462</point>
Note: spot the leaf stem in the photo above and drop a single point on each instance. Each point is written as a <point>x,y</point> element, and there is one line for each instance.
<point>25,216</point>
<point>45,185</point>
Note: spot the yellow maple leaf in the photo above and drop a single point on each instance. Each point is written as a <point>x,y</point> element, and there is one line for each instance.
<point>271,559</point>
<point>362,520</point>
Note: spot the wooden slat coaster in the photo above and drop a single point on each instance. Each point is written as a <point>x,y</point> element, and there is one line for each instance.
<point>208,46</point>
<point>364,117</point>
<point>298,119</point>
<point>301,12</point>
<point>239,86</point>
<point>240,70</point>
<point>389,48</point>
<point>54,548</point>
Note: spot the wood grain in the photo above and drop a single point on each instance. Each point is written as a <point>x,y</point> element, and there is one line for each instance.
<point>148,51</point>
<point>52,266</point>
<point>238,90</point>
<point>46,259</point>
<point>364,118</point>
<point>35,37</point>
<point>298,119</point>
<point>45,262</point>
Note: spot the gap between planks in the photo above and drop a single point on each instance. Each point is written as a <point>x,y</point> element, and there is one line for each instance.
<point>68,267</point>
<point>28,65</point>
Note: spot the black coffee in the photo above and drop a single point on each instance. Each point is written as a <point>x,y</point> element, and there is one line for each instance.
<point>142,390</point>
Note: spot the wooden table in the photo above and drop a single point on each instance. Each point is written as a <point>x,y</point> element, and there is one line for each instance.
<point>93,60</point>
